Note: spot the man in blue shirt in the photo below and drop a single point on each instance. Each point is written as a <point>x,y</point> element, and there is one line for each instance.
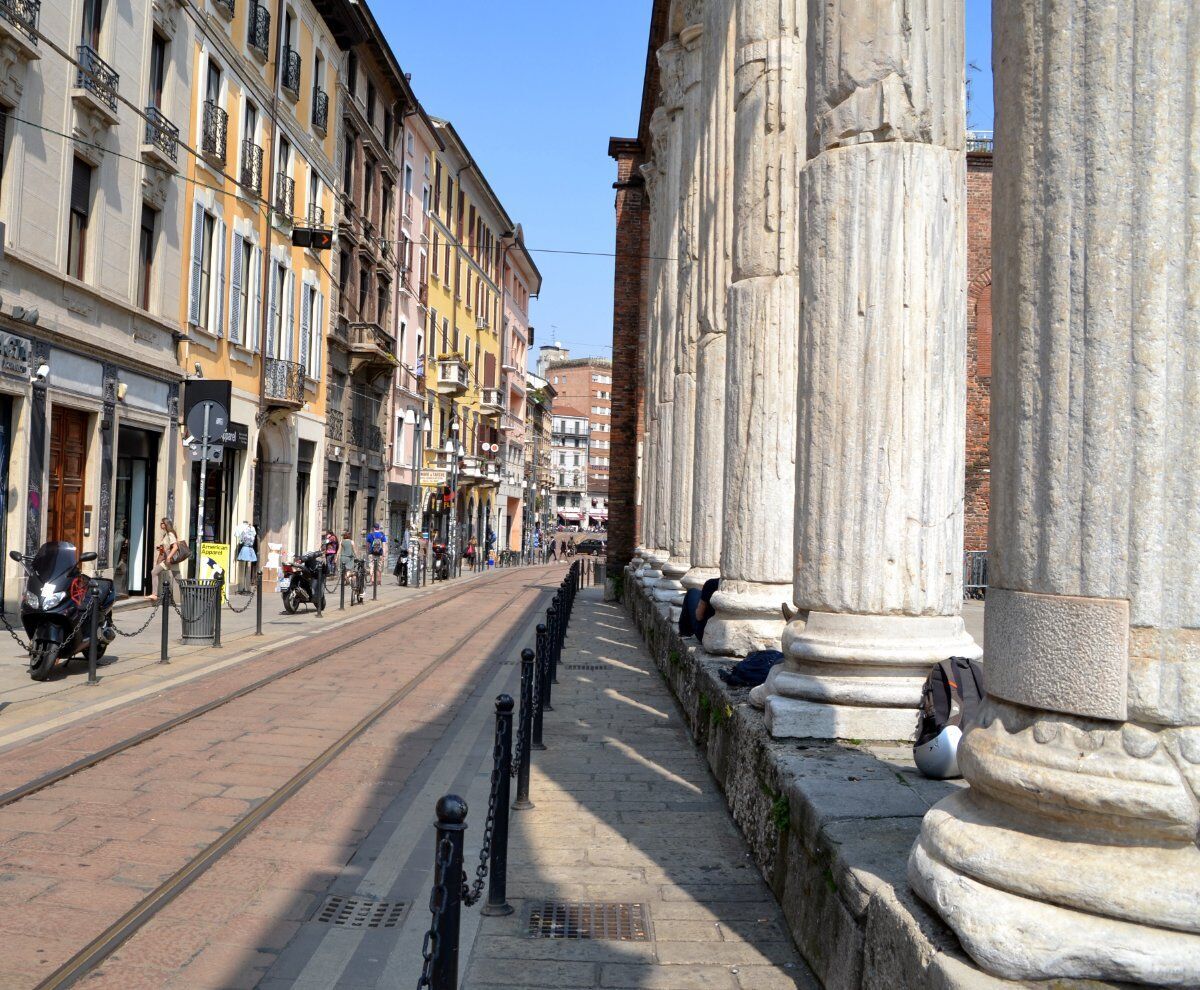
<point>377,548</point>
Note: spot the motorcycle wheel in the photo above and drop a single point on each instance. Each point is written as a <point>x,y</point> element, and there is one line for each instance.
<point>290,605</point>
<point>42,657</point>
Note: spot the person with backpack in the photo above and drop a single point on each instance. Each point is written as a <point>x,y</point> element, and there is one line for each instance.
<point>376,548</point>
<point>247,556</point>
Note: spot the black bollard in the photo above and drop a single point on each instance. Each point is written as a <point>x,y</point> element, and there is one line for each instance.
<point>497,900</point>
<point>216,642</point>
<point>447,878</point>
<point>93,631</point>
<point>258,604</point>
<point>164,602</point>
<point>551,664</point>
<point>375,570</point>
<point>539,672</point>
<point>526,730</point>
<point>544,668</point>
<point>342,587</point>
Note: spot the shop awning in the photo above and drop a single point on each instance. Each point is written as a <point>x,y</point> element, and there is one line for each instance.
<point>568,515</point>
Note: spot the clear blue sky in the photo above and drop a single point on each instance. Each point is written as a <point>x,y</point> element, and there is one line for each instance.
<point>536,88</point>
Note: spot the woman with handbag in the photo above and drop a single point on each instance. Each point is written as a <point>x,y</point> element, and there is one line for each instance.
<point>172,551</point>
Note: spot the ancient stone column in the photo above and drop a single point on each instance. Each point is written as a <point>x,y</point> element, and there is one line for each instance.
<point>667,126</point>
<point>712,291</point>
<point>760,379</point>
<point>1074,852</point>
<point>688,248</point>
<point>652,175</point>
<point>882,386</point>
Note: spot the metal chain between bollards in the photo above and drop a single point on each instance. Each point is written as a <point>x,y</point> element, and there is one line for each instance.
<point>471,894</point>
<point>13,633</point>
<point>234,609</point>
<point>534,701</point>
<point>143,627</point>
<point>437,904</point>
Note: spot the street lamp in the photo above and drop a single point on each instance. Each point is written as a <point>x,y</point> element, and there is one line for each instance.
<point>412,419</point>
<point>453,450</point>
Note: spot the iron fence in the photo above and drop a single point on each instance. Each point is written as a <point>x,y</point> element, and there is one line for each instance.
<point>259,29</point>
<point>23,15</point>
<point>97,76</point>
<point>975,577</point>
<point>161,133</point>
<point>252,167</point>
<point>291,70</point>
<point>334,424</point>
<point>284,381</point>
<point>285,195</point>
<point>216,132</point>
<point>320,110</point>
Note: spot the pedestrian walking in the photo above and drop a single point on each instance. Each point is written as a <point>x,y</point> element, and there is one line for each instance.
<point>376,549</point>
<point>247,555</point>
<point>170,553</point>
<point>552,553</point>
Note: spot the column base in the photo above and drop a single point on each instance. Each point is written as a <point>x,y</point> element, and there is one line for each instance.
<point>965,842</point>
<point>695,578</point>
<point>792,718</point>
<point>670,590</point>
<point>748,617</point>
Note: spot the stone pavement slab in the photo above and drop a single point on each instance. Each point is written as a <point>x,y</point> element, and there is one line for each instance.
<point>626,810</point>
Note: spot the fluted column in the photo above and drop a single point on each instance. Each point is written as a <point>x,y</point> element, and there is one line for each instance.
<point>1074,852</point>
<point>760,391</point>
<point>715,248</point>
<point>688,248</point>
<point>882,383</point>
<point>667,125</point>
<point>645,574</point>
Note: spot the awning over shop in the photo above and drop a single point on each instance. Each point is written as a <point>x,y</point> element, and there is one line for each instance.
<point>568,515</point>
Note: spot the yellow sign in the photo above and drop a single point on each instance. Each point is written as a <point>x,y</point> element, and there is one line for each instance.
<point>212,556</point>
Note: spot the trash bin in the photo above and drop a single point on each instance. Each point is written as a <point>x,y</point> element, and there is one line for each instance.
<point>198,608</point>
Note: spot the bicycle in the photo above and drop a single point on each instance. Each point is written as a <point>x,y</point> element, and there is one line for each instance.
<point>355,578</point>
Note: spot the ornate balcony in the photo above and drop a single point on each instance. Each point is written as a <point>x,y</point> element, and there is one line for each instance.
<point>334,424</point>
<point>452,375</point>
<point>283,385</point>
<point>96,85</point>
<point>491,402</point>
<point>215,133</point>
<point>508,363</point>
<point>481,322</point>
<point>251,175</point>
<point>510,423</point>
<point>285,197</point>
<point>320,110</point>
<point>291,71</point>
<point>316,215</point>
<point>258,33</point>
<point>162,138</point>
<point>372,349</point>
<point>19,23</point>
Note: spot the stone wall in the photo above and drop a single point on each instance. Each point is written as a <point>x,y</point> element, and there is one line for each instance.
<point>829,825</point>
<point>979,348</point>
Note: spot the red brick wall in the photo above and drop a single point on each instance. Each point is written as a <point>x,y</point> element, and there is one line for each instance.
<point>629,322</point>
<point>979,348</point>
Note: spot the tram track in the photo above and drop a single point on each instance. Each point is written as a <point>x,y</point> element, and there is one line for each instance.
<point>88,958</point>
<point>53,777</point>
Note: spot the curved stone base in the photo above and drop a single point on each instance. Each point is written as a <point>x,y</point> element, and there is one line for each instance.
<point>889,641</point>
<point>1020,936</point>
<point>748,618</point>
<point>791,718</point>
<point>695,578</point>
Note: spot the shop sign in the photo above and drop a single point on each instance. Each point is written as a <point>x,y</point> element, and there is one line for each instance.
<point>432,478</point>
<point>236,436</point>
<point>14,355</point>
<point>212,557</point>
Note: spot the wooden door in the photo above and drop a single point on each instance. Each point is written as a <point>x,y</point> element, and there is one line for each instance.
<point>68,468</point>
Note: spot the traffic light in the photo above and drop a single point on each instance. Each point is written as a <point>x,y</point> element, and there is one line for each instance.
<point>316,238</point>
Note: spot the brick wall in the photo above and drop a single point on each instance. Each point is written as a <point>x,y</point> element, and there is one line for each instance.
<point>629,323</point>
<point>979,347</point>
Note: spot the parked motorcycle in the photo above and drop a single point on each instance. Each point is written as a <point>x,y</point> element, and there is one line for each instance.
<point>57,606</point>
<point>401,569</point>
<point>303,581</point>
<point>441,562</point>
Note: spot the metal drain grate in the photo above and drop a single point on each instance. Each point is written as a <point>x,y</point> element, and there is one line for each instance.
<point>587,666</point>
<point>611,921</point>
<point>354,912</point>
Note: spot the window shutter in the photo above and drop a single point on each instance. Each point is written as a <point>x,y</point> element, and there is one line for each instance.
<point>272,308</point>
<point>289,317</point>
<point>254,333</point>
<point>305,329</point>
<point>197,246</point>
<point>319,337</point>
<point>235,290</point>
<point>219,252</point>
<point>81,187</point>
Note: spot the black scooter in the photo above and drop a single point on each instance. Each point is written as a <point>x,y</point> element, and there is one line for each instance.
<point>441,562</point>
<point>303,580</point>
<point>57,605</point>
<point>401,569</point>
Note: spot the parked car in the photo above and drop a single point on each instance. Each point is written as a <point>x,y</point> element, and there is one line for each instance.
<point>591,548</point>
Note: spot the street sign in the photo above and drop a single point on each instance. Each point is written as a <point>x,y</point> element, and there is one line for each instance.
<point>216,454</point>
<point>217,419</point>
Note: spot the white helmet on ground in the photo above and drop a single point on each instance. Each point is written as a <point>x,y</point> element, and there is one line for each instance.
<point>937,757</point>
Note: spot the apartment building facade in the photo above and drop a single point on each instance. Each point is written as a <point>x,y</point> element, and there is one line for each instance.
<point>586,384</point>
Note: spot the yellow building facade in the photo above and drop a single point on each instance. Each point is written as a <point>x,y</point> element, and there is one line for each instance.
<point>255,307</point>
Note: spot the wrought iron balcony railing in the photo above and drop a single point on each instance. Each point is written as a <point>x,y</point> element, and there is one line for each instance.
<point>161,133</point>
<point>284,382</point>
<point>285,196</point>
<point>316,215</point>
<point>374,440</point>
<point>356,432</point>
<point>23,15</point>
<point>252,167</point>
<point>334,424</point>
<point>215,133</point>
<point>320,110</point>
<point>291,70</point>
<point>97,76</point>
<point>259,29</point>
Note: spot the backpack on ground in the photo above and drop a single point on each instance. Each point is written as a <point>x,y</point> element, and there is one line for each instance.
<point>752,671</point>
<point>950,702</point>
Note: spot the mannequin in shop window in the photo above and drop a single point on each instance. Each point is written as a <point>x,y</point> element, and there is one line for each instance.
<point>247,555</point>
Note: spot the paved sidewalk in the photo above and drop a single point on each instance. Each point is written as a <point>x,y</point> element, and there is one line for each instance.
<point>626,811</point>
<point>131,668</point>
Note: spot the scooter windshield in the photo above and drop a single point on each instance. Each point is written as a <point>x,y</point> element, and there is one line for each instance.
<point>52,564</point>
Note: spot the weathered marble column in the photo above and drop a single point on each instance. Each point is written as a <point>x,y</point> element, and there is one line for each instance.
<point>667,126</point>
<point>712,292</point>
<point>760,390</point>
<point>644,573</point>
<point>882,386</point>
<point>1074,852</point>
<point>688,249</point>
